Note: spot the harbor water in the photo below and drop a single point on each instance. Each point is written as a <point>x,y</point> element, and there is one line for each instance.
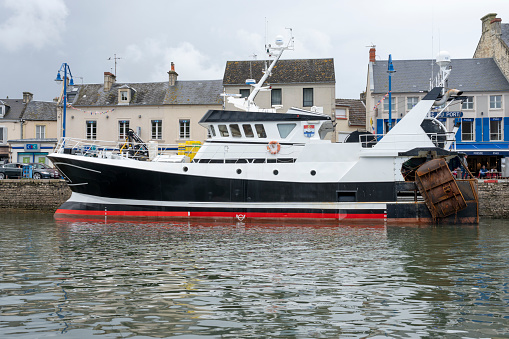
<point>126,279</point>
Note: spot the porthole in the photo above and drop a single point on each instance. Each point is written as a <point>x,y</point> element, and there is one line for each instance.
<point>276,172</point>
<point>313,172</point>
<point>185,169</point>
<point>239,171</point>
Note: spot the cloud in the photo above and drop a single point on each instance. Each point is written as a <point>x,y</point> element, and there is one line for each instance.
<point>34,23</point>
<point>153,57</point>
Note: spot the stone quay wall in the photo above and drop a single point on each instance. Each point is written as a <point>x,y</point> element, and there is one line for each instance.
<point>30,194</point>
<point>494,198</point>
<point>49,194</point>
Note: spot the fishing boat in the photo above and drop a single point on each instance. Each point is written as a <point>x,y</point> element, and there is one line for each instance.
<point>259,163</point>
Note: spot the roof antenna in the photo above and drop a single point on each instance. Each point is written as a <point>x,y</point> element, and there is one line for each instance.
<point>115,58</point>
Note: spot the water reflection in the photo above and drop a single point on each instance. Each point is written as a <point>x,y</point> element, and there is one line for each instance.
<point>162,279</point>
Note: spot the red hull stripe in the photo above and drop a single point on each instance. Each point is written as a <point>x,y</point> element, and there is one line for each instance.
<point>224,214</point>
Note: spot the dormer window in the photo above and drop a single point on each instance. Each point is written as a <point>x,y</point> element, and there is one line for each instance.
<point>125,94</point>
<point>2,111</point>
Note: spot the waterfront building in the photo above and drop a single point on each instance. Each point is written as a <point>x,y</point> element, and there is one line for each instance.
<point>350,116</point>
<point>166,112</point>
<point>303,83</point>
<point>482,118</point>
<point>28,129</point>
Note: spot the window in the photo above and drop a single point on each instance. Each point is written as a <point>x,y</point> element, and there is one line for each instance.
<point>307,94</point>
<point>157,129</point>
<point>275,97</point>
<point>2,111</point>
<point>393,104</point>
<point>123,127</point>
<point>285,129</point>
<point>468,103</point>
<point>248,131</point>
<point>495,129</point>
<point>411,102</point>
<point>40,131</point>
<point>340,113</point>
<point>467,129</point>
<point>3,135</point>
<point>211,132</point>
<point>185,125</point>
<point>223,131</point>
<point>91,130</point>
<point>244,93</point>
<point>235,129</point>
<point>495,101</point>
<point>260,131</point>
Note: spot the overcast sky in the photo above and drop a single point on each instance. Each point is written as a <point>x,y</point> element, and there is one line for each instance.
<point>37,36</point>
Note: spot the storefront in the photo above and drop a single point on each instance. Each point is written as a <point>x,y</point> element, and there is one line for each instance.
<point>28,151</point>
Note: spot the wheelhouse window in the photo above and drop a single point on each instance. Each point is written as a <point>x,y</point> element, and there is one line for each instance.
<point>91,129</point>
<point>467,129</point>
<point>495,101</point>
<point>40,131</point>
<point>244,93</point>
<point>307,94</point>
<point>235,129</point>
<point>157,129</point>
<point>223,131</point>
<point>411,102</point>
<point>260,131</point>
<point>468,103</point>
<point>123,127</point>
<point>211,132</point>
<point>285,129</point>
<point>495,129</point>
<point>184,128</point>
<point>276,97</point>
<point>248,130</point>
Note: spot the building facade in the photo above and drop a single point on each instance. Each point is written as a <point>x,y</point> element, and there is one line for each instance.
<point>483,118</point>
<point>494,42</point>
<point>28,129</point>
<point>350,116</point>
<point>302,83</point>
<point>164,112</point>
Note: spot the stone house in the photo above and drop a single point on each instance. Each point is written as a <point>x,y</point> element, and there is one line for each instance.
<point>350,116</point>
<point>494,42</point>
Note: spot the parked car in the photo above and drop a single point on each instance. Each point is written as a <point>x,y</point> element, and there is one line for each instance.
<point>39,171</point>
<point>43,171</point>
<point>11,171</point>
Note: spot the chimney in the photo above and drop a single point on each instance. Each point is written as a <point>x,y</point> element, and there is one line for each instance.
<point>372,53</point>
<point>109,80</point>
<point>27,97</point>
<point>496,26</point>
<point>172,75</point>
<point>486,22</point>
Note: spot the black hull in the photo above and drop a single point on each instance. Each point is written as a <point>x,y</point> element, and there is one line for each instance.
<point>107,190</point>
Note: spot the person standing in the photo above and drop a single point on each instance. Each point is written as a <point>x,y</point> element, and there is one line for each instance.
<point>464,168</point>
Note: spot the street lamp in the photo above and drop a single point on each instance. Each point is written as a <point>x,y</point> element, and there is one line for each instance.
<point>64,68</point>
<point>390,70</point>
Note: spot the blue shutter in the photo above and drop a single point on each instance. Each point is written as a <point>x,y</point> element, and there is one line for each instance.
<point>486,129</point>
<point>478,129</point>
<point>506,129</point>
<point>458,133</point>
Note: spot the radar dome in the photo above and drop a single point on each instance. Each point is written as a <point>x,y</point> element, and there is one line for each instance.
<point>279,40</point>
<point>443,58</point>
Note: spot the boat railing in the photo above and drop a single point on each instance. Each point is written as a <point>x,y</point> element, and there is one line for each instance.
<point>113,149</point>
<point>442,140</point>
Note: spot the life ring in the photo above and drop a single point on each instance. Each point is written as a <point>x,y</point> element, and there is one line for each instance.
<point>274,147</point>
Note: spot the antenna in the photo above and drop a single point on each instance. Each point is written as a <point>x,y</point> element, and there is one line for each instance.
<point>115,58</point>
